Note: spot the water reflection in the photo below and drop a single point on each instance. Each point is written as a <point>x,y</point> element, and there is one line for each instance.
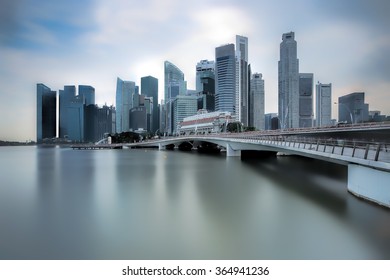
<point>149,204</point>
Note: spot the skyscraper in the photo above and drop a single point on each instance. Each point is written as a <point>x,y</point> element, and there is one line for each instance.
<point>205,84</point>
<point>352,108</point>
<point>305,99</point>
<point>149,88</point>
<point>174,86</point>
<point>323,104</point>
<point>288,107</point>
<point>257,104</point>
<point>124,102</point>
<point>66,96</point>
<point>88,93</point>
<point>174,82</point>
<point>242,94</point>
<point>46,113</point>
<point>225,79</point>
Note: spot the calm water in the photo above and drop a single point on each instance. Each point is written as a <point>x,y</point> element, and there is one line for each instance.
<point>56,203</point>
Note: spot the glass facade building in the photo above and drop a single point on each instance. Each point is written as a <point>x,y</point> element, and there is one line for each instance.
<point>46,113</point>
<point>183,106</point>
<point>149,88</point>
<point>225,79</point>
<point>125,91</point>
<point>323,104</point>
<point>352,108</point>
<point>65,96</point>
<point>174,83</point>
<point>306,100</point>
<point>88,94</point>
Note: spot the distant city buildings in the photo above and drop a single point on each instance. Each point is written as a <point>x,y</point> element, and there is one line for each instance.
<point>223,85</point>
<point>288,103</point>
<point>46,113</point>
<point>324,104</point>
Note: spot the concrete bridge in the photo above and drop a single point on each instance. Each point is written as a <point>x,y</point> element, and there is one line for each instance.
<point>368,160</point>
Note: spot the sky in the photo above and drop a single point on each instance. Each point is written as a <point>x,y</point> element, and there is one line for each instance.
<point>92,42</point>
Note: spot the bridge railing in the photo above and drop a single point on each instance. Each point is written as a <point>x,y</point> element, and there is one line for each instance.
<point>377,151</point>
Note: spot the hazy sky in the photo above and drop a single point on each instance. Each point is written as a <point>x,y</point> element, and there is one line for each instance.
<point>72,42</point>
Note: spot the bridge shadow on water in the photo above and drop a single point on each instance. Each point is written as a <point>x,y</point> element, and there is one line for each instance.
<point>321,182</point>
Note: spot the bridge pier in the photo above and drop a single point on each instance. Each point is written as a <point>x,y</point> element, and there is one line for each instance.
<point>369,183</point>
<point>161,146</point>
<point>230,152</point>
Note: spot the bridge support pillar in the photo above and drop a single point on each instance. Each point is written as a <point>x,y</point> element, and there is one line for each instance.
<point>161,147</point>
<point>369,183</point>
<point>230,152</point>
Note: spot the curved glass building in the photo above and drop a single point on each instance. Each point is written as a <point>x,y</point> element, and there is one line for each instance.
<point>174,82</point>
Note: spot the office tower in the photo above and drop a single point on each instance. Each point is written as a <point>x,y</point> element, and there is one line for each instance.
<point>46,113</point>
<point>76,119</point>
<point>204,69</point>
<point>288,86</point>
<point>352,108</point>
<point>149,88</point>
<point>183,106</point>
<point>205,85</point>
<point>88,94</point>
<point>306,100</point>
<point>65,96</point>
<point>242,94</point>
<point>225,79</point>
<point>125,91</point>
<point>174,85</point>
<point>257,104</point>
<point>323,104</point>
<point>174,82</point>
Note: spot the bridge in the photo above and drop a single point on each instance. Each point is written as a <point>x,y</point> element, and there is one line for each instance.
<point>364,149</point>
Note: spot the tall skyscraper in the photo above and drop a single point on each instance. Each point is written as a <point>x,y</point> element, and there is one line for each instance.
<point>352,108</point>
<point>323,104</point>
<point>288,107</point>
<point>305,99</point>
<point>46,113</point>
<point>174,82</point>
<point>174,86</point>
<point>205,84</point>
<point>124,102</point>
<point>242,94</point>
<point>225,79</point>
<point>65,96</point>
<point>149,88</point>
<point>257,104</point>
<point>76,119</point>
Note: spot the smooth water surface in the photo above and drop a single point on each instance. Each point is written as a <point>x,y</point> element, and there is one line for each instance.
<point>59,203</point>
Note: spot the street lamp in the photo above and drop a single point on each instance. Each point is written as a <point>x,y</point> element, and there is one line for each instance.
<point>350,114</point>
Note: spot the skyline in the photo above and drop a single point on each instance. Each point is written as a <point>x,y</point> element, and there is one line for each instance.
<point>94,42</point>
